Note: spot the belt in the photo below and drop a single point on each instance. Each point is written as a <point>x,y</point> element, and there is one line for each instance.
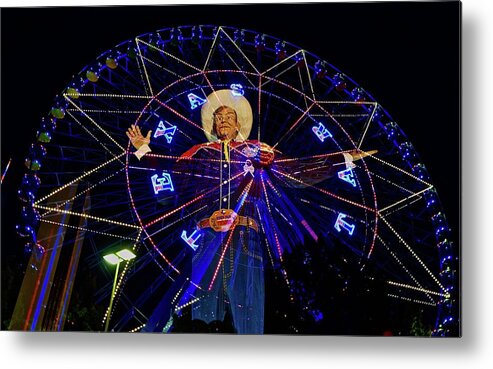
<point>223,220</point>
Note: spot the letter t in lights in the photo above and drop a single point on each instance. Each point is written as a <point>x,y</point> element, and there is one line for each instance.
<point>342,224</point>
<point>192,239</point>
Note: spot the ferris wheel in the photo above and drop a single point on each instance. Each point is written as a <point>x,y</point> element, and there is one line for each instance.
<point>343,176</point>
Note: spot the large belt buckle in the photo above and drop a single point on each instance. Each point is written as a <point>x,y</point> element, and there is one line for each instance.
<point>222,220</point>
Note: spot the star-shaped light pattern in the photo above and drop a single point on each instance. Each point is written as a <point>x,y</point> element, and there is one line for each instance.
<point>379,207</point>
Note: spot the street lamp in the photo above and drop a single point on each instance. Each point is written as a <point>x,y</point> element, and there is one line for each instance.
<point>115,259</point>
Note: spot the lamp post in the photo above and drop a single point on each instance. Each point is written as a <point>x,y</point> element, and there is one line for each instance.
<point>116,259</point>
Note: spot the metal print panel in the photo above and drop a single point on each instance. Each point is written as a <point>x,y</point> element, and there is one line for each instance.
<point>194,172</point>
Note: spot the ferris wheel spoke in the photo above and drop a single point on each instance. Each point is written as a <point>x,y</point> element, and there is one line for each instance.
<point>245,75</point>
<point>191,67</point>
<point>280,71</point>
<point>316,164</point>
<point>170,72</point>
<point>107,111</point>
<point>161,254</point>
<point>307,71</point>
<point>321,190</point>
<point>402,203</point>
<point>434,304</point>
<point>156,71</point>
<point>293,126</point>
<point>367,125</point>
<point>171,224</point>
<point>185,159</point>
<point>396,168</point>
<point>404,267</point>
<point>272,234</point>
<point>92,135</point>
<point>83,229</point>
<point>400,187</point>
<point>413,253</point>
<point>348,120</point>
<point>181,116</point>
<point>86,174</point>
<point>154,255</point>
<point>227,244</point>
<point>86,216</point>
<point>285,63</point>
<point>83,192</point>
<point>306,75</point>
<point>95,123</point>
<point>441,294</point>
<point>109,96</point>
<point>171,171</point>
<point>188,203</point>
<point>147,80</point>
<point>227,43</point>
<point>288,211</point>
<point>301,158</point>
<point>358,227</point>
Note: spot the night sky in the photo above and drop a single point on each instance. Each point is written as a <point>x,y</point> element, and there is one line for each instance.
<point>405,55</point>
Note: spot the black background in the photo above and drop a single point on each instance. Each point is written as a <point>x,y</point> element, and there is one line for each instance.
<point>406,55</point>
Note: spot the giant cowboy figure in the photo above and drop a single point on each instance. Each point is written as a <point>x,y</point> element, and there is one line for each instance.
<point>227,266</point>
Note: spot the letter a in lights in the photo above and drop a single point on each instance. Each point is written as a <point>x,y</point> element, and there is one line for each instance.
<point>195,101</point>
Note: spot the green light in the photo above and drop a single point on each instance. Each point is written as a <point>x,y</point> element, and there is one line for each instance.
<point>126,254</point>
<point>120,256</point>
<point>115,260</point>
<point>112,259</point>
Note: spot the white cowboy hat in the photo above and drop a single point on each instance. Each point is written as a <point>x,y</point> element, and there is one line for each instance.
<point>226,98</point>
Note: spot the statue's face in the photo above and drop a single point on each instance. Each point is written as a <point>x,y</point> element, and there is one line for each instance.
<point>225,123</point>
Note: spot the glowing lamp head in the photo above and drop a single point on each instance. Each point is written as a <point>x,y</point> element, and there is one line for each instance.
<point>111,259</point>
<point>126,254</point>
<point>119,256</point>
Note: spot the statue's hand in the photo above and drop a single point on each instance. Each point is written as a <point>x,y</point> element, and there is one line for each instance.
<point>137,138</point>
<point>358,154</point>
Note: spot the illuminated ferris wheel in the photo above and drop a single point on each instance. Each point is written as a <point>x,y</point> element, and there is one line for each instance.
<point>381,210</point>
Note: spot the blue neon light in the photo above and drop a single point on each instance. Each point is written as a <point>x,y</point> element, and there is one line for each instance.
<point>71,282</point>
<point>342,224</point>
<point>321,132</point>
<point>237,89</point>
<point>163,183</point>
<point>347,176</point>
<point>190,240</point>
<point>195,101</point>
<point>56,247</point>
<point>167,132</point>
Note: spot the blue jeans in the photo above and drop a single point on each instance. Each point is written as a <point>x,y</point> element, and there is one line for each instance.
<point>236,285</point>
